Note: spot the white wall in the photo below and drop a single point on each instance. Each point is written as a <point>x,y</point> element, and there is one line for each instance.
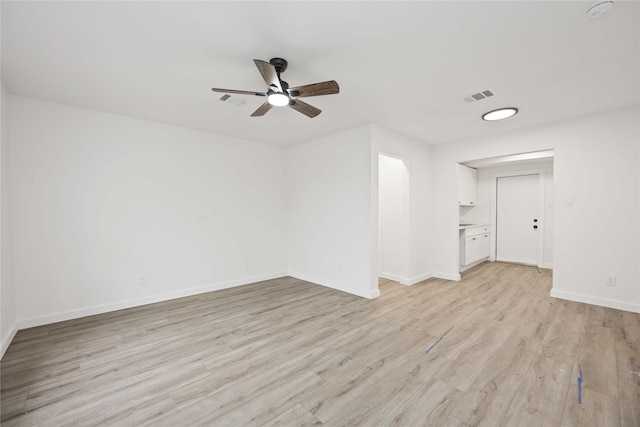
<point>8,325</point>
<point>101,200</point>
<point>416,156</point>
<point>393,202</point>
<point>329,212</point>
<point>481,213</point>
<point>596,161</point>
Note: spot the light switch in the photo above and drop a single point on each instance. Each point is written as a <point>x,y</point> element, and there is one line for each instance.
<point>571,201</point>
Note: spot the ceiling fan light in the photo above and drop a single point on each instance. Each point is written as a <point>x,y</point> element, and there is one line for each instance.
<point>502,113</point>
<point>278,99</point>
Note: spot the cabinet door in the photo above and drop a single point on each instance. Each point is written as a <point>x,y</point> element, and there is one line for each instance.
<point>471,250</point>
<point>467,186</point>
<point>484,246</point>
<point>476,248</point>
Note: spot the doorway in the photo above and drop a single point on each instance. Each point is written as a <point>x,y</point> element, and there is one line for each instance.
<point>519,217</point>
<point>393,218</point>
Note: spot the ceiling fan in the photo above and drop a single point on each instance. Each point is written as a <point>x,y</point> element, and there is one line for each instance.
<point>280,94</point>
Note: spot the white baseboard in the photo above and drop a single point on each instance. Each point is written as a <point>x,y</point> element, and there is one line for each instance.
<point>620,305</point>
<point>546,265</point>
<point>446,276</point>
<point>99,309</point>
<point>407,281</point>
<point>464,268</point>
<point>7,340</point>
<point>394,277</point>
<point>418,279</point>
<point>365,293</point>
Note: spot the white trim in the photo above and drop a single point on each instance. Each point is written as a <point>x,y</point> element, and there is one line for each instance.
<point>546,265</point>
<point>464,268</point>
<point>99,309</point>
<point>406,190</point>
<point>541,210</point>
<point>375,294</point>
<point>393,156</point>
<point>603,302</point>
<point>7,341</point>
<point>446,276</point>
<point>417,279</point>
<point>394,277</point>
<point>365,293</point>
<point>404,280</point>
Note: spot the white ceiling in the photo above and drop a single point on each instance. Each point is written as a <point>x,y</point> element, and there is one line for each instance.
<point>403,65</point>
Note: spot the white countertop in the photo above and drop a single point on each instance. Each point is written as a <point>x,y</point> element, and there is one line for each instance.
<point>465,226</point>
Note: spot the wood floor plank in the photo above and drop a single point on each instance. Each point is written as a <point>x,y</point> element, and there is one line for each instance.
<point>541,397</point>
<point>597,356</point>
<point>629,329</point>
<point>628,376</point>
<point>471,361</point>
<point>376,403</point>
<point>594,410</point>
<point>261,410</point>
<point>490,395</point>
<point>429,405</point>
<point>13,402</point>
<point>452,421</point>
<point>342,388</point>
<point>536,319</point>
<point>297,416</point>
<point>97,403</point>
<point>287,352</point>
<point>561,341</point>
<point>224,406</point>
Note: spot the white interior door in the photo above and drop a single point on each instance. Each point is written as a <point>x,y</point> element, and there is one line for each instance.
<point>517,220</point>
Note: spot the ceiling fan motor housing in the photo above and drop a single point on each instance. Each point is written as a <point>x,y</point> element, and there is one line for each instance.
<point>279,64</point>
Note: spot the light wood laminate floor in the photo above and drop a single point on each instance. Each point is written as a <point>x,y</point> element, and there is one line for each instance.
<point>288,353</point>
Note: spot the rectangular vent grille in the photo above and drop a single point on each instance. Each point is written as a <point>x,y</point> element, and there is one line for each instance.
<point>478,96</point>
<point>235,100</point>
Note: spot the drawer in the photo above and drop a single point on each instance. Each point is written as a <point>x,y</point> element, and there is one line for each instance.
<point>475,231</point>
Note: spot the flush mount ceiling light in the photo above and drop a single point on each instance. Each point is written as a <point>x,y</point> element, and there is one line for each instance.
<point>278,99</point>
<point>502,113</point>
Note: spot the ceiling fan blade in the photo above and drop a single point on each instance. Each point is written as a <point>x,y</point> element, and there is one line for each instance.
<point>325,88</point>
<point>239,92</point>
<point>304,108</point>
<point>269,74</point>
<point>262,110</point>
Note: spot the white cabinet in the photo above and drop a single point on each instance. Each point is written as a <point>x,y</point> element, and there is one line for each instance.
<point>467,186</point>
<point>476,248</point>
<point>475,245</point>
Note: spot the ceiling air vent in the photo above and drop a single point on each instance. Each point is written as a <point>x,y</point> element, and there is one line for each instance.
<point>478,96</point>
<point>235,100</point>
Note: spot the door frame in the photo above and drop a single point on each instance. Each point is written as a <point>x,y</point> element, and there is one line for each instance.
<point>403,275</point>
<point>541,210</point>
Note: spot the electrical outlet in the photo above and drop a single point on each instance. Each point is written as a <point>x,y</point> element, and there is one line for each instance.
<point>610,280</point>
<point>246,265</point>
<point>142,281</point>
